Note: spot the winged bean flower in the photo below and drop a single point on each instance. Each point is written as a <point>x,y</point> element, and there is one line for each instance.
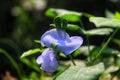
<point>48,61</point>
<point>63,42</point>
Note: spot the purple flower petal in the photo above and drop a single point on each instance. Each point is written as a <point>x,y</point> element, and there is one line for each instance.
<point>48,61</point>
<point>69,45</point>
<point>39,60</point>
<point>53,36</point>
<point>61,39</point>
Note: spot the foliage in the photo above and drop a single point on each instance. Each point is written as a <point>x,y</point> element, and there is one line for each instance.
<point>97,58</point>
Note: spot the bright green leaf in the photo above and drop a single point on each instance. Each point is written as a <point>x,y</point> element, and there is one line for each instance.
<point>37,41</point>
<point>77,52</point>
<point>31,52</point>
<point>117,15</point>
<point>82,73</point>
<point>65,14</point>
<point>105,22</point>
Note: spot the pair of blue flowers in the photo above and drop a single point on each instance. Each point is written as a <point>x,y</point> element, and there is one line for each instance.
<point>63,43</point>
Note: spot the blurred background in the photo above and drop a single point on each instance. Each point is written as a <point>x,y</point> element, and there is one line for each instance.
<point>23,21</point>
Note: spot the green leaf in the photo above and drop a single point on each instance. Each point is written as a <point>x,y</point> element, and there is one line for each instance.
<point>107,52</point>
<point>73,27</point>
<point>37,41</point>
<point>77,52</point>
<point>100,31</point>
<point>76,28</point>
<point>118,62</point>
<point>31,52</point>
<point>31,63</point>
<point>105,22</point>
<point>117,15</point>
<point>84,49</point>
<point>65,14</point>
<point>82,73</point>
<point>117,41</point>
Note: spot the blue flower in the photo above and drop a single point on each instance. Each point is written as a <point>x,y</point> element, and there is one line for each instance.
<point>48,61</point>
<point>64,43</point>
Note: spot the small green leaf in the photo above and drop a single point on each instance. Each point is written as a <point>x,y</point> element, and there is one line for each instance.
<point>117,41</point>
<point>62,55</point>
<point>37,41</point>
<point>105,22</point>
<point>77,52</point>
<point>100,31</point>
<point>64,14</point>
<point>117,15</point>
<point>82,73</point>
<point>31,52</point>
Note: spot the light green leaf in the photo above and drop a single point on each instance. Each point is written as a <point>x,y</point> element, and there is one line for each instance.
<point>65,14</point>
<point>31,52</point>
<point>84,49</point>
<point>82,73</point>
<point>105,22</point>
<point>76,28</point>
<point>100,31</point>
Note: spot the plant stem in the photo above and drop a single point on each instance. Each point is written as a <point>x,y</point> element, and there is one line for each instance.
<point>88,44</point>
<point>105,45</point>
<point>87,38</point>
<point>72,60</point>
<point>81,23</point>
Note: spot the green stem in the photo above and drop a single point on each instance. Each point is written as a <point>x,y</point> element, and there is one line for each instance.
<point>88,44</point>
<point>87,38</point>
<point>105,45</point>
<point>12,61</point>
<point>72,60</point>
<point>81,23</point>
<point>42,76</point>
